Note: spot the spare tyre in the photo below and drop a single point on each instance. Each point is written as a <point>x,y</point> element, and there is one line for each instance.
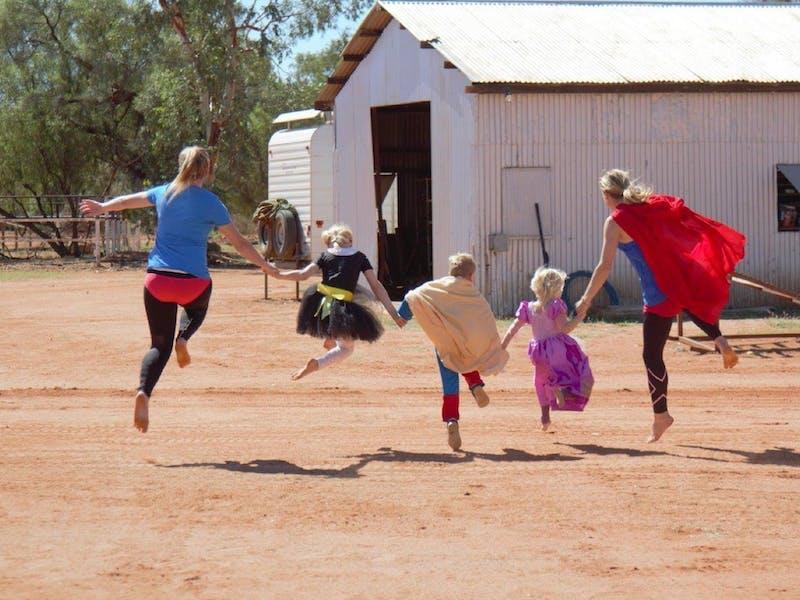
<point>286,228</point>
<point>266,235</point>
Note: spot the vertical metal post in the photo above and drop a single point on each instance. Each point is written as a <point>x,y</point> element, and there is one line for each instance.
<point>97,242</point>
<point>680,324</point>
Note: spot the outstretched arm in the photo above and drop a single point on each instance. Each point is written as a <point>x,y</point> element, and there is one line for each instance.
<point>309,270</point>
<point>381,294</point>
<point>512,331</point>
<point>611,237</point>
<point>245,248</point>
<point>93,208</point>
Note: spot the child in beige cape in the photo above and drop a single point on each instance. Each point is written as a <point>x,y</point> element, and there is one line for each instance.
<point>461,325</point>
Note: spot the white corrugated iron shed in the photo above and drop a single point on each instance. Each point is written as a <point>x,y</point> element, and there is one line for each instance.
<point>597,44</point>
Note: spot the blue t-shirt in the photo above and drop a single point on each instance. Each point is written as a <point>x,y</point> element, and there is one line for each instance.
<point>184,222</point>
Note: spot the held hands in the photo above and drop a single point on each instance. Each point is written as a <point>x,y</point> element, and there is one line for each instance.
<point>91,208</point>
<point>582,307</point>
<point>272,270</point>
<point>401,322</point>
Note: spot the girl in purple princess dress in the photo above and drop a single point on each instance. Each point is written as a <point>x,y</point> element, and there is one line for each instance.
<point>563,379</point>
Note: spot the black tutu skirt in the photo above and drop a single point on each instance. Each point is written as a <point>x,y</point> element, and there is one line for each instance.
<point>348,320</point>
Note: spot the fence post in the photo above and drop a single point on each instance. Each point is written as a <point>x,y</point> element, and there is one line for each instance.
<point>97,242</point>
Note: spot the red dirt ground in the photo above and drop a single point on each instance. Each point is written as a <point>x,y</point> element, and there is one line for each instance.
<point>250,485</point>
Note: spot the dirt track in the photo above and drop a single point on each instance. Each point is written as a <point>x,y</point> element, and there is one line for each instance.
<point>250,485</point>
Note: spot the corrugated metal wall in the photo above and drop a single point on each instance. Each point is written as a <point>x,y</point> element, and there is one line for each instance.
<point>718,151</point>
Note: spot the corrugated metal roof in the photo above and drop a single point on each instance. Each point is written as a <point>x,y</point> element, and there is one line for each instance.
<point>593,43</point>
<point>610,43</point>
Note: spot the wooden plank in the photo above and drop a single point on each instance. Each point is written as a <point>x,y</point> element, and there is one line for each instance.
<point>763,286</point>
<point>337,80</point>
<point>370,32</point>
<point>352,57</point>
<point>695,345</point>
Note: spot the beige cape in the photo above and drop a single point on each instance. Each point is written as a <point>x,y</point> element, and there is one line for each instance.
<point>460,323</point>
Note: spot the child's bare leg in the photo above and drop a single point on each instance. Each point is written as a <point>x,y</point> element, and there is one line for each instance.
<point>729,356</point>
<point>661,422</point>
<point>141,415</point>
<point>311,366</point>
<point>329,343</point>
<point>342,350</point>
<point>545,418</point>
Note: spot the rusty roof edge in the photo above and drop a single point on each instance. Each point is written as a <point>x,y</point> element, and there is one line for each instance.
<point>324,101</point>
<point>633,87</point>
<point>327,95</point>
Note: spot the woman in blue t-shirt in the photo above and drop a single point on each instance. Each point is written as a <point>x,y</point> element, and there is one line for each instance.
<point>177,273</point>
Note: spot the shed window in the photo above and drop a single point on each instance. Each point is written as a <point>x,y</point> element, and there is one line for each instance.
<point>788,197</point>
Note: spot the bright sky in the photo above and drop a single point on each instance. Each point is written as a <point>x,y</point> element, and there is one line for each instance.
<point>320,40</point>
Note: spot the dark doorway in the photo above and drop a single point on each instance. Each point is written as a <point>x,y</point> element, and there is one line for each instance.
<point>401,152</point>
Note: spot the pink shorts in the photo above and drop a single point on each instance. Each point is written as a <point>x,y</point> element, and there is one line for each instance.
<point>179,290</point>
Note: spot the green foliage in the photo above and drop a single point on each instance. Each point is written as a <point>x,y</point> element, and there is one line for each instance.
<point>99,96</point>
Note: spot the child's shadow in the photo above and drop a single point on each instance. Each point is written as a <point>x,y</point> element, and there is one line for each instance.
<point>282,467</point>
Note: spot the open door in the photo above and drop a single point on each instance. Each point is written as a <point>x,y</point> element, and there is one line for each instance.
<point>401,145</point>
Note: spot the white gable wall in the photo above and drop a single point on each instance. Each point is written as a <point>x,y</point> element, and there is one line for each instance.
<point>398,71</point>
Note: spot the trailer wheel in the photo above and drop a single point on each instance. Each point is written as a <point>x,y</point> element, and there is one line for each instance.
<point>266,236</point>
<point>576,284</point>
<point>286,228</point>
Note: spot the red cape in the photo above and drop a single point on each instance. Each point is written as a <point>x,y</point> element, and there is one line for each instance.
<point>690,255</point>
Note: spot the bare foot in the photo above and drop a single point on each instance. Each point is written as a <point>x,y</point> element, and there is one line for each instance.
<point>182,353</point>
<point>311,366</point>
<point>661,422</point>
<point>480,395</point>
<point>729,356</point>
<point>545,425</point>
<point>453,436</point>
<point>141,414</point>
<point>329,343</point>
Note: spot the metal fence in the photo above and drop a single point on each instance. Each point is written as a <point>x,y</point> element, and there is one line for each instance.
<point>24,234</point>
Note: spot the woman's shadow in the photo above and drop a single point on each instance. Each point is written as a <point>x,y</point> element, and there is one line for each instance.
<point>386,455</point>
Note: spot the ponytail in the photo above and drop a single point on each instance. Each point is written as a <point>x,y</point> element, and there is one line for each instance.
<point>618,184</point>
<point>194,163</point>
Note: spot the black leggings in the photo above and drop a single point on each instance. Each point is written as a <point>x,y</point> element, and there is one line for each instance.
<point>656,331</point>
<point>161,319</point>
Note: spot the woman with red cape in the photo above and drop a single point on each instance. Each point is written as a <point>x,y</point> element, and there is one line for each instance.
<point>683,260</point>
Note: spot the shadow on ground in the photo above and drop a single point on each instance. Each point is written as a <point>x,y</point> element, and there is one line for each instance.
<point>282,467</point>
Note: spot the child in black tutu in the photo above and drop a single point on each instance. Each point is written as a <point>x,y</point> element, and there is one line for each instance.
<point>328,309</point>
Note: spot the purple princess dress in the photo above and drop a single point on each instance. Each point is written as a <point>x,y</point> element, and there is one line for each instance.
<point>559,360</point>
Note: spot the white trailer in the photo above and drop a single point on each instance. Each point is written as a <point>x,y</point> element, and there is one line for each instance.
<point>300,170</point>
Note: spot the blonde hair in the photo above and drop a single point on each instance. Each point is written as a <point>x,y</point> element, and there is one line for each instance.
<point>462,265</point>
<point>547,284</point>
<point>194,163</point>
<point>618,184</point>
<point>338,234</point>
